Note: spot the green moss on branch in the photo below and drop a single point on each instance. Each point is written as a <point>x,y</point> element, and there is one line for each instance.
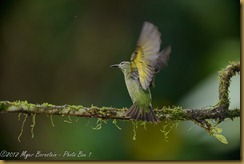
<point>220,111</point>
<point>201,117</point>
<point>224,82</point>
<point>174,113</point>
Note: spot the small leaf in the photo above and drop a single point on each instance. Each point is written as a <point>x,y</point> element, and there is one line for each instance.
<point>215,130</point>
<point>221,138</point>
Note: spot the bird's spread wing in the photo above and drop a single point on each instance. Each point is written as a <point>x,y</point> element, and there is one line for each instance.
<point>145,57</point>
<point>163,58</point>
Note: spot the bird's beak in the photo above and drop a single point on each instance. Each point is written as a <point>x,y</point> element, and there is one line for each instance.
<point>115,65</point>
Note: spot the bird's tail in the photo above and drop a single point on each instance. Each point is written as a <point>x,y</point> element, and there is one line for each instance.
<point>135,113</point>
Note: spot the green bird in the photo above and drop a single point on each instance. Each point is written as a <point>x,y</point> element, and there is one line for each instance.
<point>139,73</point>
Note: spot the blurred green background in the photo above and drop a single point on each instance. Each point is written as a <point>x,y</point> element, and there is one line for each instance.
<point>60,51</point>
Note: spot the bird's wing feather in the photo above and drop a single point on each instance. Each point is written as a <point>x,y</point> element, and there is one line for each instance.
<point>163,58</point>
<point>144,59</point>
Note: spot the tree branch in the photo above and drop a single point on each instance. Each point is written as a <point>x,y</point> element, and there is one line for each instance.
<point>219,112</point>
<point>224,83</point>
<point>168,113</point>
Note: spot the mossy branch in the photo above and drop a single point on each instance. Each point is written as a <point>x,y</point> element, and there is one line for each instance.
<point>175,113</point>
<point>224,83</point>
<point>201,117</point>
<point>219,112</point>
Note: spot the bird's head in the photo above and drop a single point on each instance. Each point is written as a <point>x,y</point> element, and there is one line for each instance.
<point>124,66</point>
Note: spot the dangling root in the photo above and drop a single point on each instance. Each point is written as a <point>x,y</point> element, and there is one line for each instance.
<point>22,127</point>
<point>33,125</point>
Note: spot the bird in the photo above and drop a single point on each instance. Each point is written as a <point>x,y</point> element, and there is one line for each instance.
<point>139,73</point>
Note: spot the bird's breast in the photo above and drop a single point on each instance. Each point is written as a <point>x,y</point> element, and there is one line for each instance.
<point>136,92</point>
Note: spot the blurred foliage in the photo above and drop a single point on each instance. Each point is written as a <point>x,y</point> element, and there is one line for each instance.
<point>60,51</point>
